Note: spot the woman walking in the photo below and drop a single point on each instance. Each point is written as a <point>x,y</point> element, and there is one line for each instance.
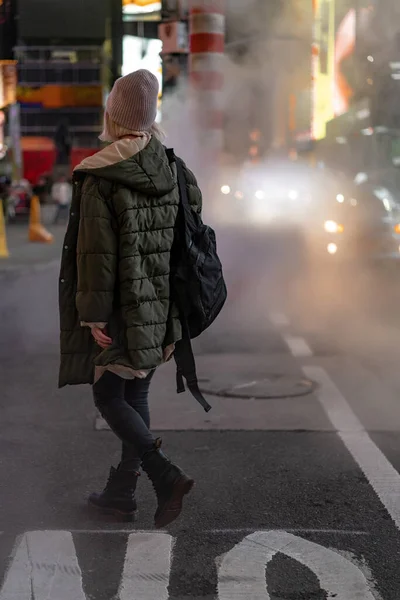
<point>118,323</point>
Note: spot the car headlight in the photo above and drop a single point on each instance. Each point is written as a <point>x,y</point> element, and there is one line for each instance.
<point>333,227</point>
<point>226,189</point>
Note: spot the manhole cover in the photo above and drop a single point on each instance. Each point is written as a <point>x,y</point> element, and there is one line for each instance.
<point>276,385</point>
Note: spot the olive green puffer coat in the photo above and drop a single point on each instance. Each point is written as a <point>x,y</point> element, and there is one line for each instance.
<point>116,262</point>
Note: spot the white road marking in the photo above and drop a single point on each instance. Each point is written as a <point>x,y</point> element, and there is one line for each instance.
<point>298,346</point>
<point>230,531</point>
<point>288,530</point>
<point>17,582</point>
<point>147,567</point>
<point>382,476</point>
<point>279,319</point>
<point>241,572</point>
<point>44,567</point>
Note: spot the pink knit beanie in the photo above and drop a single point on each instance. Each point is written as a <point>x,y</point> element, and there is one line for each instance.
<point>132,102</point>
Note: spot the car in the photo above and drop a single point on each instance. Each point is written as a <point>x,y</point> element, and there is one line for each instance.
<point>356,220</point>
<point>270,192</point>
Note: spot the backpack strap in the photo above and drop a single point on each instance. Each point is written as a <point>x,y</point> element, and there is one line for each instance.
<point>186,368</point>
<point>186,210</point>
<point>183,355</point>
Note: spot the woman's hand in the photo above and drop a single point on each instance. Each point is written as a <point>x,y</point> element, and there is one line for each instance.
<point>101,337</point>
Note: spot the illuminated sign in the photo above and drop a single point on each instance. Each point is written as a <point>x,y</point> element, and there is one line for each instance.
<point>8,83</point>
<point>347,70</point>
<point>142,53</point>
<point>323,67</point>
<point>57,96</point>
<point>140,8</point>
<point>344,47</point>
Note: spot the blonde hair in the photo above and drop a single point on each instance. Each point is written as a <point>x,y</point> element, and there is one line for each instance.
<point>113,132</point>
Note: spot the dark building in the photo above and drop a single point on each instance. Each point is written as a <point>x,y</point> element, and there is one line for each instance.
<point>8,28</point>
<point>53,21</point>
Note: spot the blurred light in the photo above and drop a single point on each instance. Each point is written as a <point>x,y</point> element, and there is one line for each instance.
<point>332,248</point>
<point>341,140</point>
<point>293,194</point>
<point>370,58</point>
<point>333,227</point>
<point>360,178</point>
<point>364,113</point>
<point>253,151</point>
<point>255,135</point>
<point>395,76</point>
<point>340,198</point>
<point>260,195</point>
<point>368,131</point>
<point>226,189</point>
<point>386,204</point>
<point>397,228</point>
<point>353,202</point>
<point>371,81</point>
<point>239,195</point>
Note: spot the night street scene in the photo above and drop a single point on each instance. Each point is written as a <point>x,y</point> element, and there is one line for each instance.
<point>199,300</point>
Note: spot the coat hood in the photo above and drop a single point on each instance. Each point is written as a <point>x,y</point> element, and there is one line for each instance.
<point>138,163</point>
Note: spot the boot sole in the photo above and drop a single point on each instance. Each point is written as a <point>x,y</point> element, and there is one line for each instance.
<point>172,509</point>
<point>122,516</point>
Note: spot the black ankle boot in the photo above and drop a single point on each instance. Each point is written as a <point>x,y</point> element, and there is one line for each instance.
<point>118,497</point>
<point>170,483</point>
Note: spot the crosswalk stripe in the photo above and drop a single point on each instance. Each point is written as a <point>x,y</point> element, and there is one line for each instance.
<point>242,569</point>
<point>147,567</point>
<point>44,567</point>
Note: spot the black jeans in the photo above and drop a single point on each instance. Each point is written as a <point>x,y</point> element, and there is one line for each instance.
<point>124,405</point>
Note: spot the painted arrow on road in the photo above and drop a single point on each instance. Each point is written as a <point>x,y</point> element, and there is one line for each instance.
<point>242,571</point>
<point>45,567</point>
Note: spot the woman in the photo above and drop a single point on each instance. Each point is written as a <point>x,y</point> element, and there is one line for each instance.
<point>117,321</point>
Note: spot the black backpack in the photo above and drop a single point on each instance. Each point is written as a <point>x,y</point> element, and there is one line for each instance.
<point>197,283</point>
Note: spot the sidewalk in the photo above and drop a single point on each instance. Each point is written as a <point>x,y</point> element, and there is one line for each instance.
<point>25,255</point>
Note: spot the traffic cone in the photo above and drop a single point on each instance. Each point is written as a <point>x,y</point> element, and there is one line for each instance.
<point>3,238</point>
<point>37,233</point>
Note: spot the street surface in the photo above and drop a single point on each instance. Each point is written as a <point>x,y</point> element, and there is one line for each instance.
<point>297,465</point>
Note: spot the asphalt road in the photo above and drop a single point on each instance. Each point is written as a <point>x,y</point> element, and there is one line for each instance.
<point>298,494</point>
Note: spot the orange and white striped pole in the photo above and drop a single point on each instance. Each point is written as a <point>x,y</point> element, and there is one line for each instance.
<point>206,67</point>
